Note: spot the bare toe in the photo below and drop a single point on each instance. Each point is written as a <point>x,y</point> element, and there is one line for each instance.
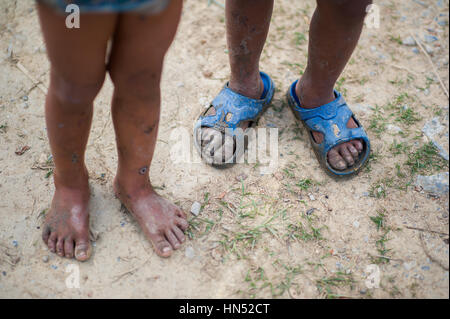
<point>358,145</point>
<point>82,250</point>
<point>179,233</point>
<point>52,242</point>
<point>173,240</point>
<point>182,223</point>
<point>346,155</point>
<point>161,245</point>
<point>353,151</point>
<point>46,234</point>
<point>60,247</point>
<point>68,247</point>
<point>335,160</point>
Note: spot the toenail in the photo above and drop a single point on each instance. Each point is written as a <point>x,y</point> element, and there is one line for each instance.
<point>166,249</point>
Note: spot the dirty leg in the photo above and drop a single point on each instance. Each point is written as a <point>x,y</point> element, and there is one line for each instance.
<point>334,32</point>
<point>247,24</point>
<point>76,76</point>
<point>140,44</point>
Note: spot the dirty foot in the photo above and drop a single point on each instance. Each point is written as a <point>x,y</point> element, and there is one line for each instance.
<point>162,222</point>
<point>66,226</point>
<point>344,155</point>
<point>226,145</point>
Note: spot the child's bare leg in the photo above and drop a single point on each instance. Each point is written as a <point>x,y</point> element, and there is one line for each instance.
<point>334,33</point>
<point>140,45</point>
<point>247,23</point>
<point>77,72</point>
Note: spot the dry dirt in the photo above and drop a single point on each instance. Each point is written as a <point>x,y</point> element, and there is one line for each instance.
<point>258,238</point>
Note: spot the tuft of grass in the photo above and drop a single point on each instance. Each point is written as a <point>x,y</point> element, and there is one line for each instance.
<point>305,184</point>
<point>300,38</point>
<point>380,244</point>
<point>377,123</point>
<point>425,160</point>
<point>378,189</point>
<point>378,220</point>
<point>306,233</point>
<point>340,279</point>
<point>399,148</point>
<point>396,39</point>
<point>407,116</point>
<point>258,280</point>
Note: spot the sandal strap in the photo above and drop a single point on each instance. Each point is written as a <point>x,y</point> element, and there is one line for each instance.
<point>331,120</point>
<point>233,108</point>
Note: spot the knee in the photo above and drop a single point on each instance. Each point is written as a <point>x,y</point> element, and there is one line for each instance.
<point>73,92</point>
<point>349,11</point>
<point>143,85</point>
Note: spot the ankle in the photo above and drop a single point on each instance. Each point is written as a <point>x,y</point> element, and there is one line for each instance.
<point>72,180</point>
<point>312,96</point>
<point>250,86</point>
<point>126,186</point>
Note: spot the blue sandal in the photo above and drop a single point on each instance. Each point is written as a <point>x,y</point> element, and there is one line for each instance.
<point>331,120</point>
<point>231,109</point>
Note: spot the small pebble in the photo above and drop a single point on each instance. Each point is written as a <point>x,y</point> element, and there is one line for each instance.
<point>356,224</point>
<point>190,252</point>
<point>45,259</point>
<point>409,41</point>
<point>430,38</point>
<point>54,267</point>
<point>425,267</point>
<point>15,243</point>
<point>410,265</point>
<point>429,49</point>
<point>195,208</point>
<point>311,197</point>
<point>310,211</point>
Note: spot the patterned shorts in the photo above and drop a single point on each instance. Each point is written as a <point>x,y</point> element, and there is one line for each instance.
<point>142,6</point>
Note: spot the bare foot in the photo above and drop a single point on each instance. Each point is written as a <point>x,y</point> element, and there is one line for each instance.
<point>66,226</point>
<point>343,155</point>
<point>162,222</point>
<point>225,144</point>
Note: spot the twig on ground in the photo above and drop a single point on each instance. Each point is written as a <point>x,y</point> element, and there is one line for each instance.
<point>386,257</point>
<point>427,230</point>
<point>129,272</point>
<point>445,267</point>
<point>431,63</point>
<point>36,83</point>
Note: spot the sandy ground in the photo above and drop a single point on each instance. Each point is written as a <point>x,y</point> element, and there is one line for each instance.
<point>294,233</point>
